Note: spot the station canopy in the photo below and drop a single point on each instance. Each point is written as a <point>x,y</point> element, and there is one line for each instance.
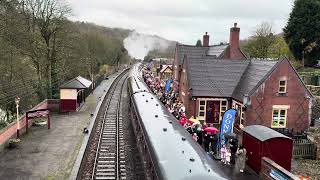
<point>77,83</point>
<point>263,133</point>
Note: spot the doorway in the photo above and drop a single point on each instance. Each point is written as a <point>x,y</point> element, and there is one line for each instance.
<point>213,112</point>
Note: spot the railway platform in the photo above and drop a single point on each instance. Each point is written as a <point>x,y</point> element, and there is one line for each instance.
<point>51,154</point>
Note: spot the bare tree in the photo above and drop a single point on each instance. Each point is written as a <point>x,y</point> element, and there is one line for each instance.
<point>46,17</point>
<point>261,42</point>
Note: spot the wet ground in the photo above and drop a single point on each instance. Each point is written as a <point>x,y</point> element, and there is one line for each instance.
<point>234,174</point>
<point>50,154</point>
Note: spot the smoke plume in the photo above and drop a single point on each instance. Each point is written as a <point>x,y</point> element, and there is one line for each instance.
<point>138,45</point>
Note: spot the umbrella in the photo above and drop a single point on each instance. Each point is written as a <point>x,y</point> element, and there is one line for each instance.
<point>183,121</point>
<point>211,129</point>
<point>231,136</point>
<point>194,120</point>
<point>197,126</point>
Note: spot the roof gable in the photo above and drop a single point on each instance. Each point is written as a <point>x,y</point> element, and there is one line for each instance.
<point>190,51</point>
<point>255,74</point>
<point>76,83</point>
<point>165,67</point>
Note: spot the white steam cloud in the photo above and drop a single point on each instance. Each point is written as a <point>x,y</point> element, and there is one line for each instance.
<point>138,45</point>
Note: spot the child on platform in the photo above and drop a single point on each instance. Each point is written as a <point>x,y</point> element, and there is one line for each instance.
<point>228,155</point>
<point>223,152</point>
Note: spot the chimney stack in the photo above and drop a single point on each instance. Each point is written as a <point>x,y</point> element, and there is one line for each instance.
<point>205,41</point>
<point>234,41</point>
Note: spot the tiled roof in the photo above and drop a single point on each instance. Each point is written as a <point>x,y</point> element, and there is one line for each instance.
<point>76,83</point>
<point>199,51</point>
<point>165,67</point>
<point>217,50</point>
<point>252,77</point>
<point>214,77</point>
<point>224,77</point>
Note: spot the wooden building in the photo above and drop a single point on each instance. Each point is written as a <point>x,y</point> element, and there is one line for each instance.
<point>72,94</point>
<point>166,72</point>
<point>261,141</point>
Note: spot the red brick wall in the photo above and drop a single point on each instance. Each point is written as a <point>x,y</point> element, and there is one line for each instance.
<point>175,67</point>
<point>205,40</point>
<point>10,131</point>
<point>298,98</point>
<point>236,54</point>
<point>184,92</point>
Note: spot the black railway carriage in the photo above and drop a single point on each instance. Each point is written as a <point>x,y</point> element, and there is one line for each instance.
<point>168,149</point>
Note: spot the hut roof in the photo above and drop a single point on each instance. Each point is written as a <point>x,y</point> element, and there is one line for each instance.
<point>263,133</point>
<point>77,83</point>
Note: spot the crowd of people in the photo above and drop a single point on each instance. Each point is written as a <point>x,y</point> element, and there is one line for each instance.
<point>230,153</point>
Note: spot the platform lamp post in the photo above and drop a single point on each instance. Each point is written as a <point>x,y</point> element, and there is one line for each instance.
<point>17,100</point>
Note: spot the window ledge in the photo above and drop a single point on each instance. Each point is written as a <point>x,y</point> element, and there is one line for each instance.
<point>282,94</point>
<point>278,127</point>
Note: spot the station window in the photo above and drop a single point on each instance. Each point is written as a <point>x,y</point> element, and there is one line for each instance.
<point>202,109</point>
<point>282,87</point>
<point>279,118</point>
<point>223,107</point>
<point>240,111</point>
<point>242,115</point>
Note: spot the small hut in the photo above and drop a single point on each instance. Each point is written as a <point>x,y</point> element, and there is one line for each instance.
<point>261,141</point>
<point>72,94</point>
<point>166,72</point>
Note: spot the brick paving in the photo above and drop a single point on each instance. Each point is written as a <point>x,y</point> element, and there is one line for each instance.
<point>50,154</point>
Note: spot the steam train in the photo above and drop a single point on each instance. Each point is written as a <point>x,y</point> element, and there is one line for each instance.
<point>167,149</point>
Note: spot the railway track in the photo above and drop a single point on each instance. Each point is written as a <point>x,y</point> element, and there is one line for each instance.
<point>104,157</point>
<point>110,158</point>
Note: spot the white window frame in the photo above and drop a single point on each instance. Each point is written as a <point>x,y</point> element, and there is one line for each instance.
<point>221,110</point>
<point>204,110</point>
<point>279,108</point>
<point>205,107</point>
<point>282,86</point>
<point>240,111</point>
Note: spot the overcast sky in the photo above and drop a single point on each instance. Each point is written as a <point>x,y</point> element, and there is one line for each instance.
<point>184,20</point>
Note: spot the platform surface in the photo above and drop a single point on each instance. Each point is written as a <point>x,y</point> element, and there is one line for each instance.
<point>50,154</point>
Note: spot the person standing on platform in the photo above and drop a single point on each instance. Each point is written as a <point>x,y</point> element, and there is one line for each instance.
<point>215,143</point>
<point>206,142</point>
<point>199,134</point>
<point>233,148</point>
<point>241,158</point>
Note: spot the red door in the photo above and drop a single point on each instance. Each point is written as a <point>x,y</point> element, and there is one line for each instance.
<point>213,112</point>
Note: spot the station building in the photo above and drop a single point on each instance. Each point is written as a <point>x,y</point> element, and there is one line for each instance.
<point>264,92</point>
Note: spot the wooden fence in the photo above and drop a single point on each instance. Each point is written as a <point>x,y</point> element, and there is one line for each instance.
<point>315,90</point>
<point>304,148</point>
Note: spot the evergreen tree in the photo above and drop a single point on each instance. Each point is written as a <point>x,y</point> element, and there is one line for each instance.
<point>199,43</point>
<point>302,32</point>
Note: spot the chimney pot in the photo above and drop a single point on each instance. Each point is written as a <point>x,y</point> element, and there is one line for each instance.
<point>205,40</point>
<point>234,42</point>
